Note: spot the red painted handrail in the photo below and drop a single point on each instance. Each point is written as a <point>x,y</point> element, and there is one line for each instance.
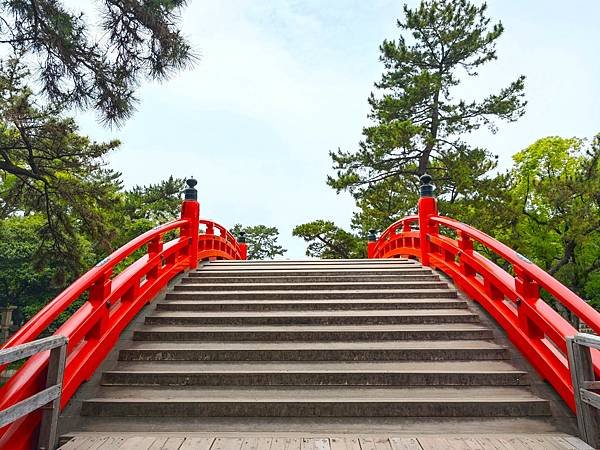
<point>223,245</point>
<point>514,301</point>
<point>112,302</point>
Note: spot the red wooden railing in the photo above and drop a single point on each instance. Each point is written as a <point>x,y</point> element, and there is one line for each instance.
<point>514,301</point>
<point>112,302</point>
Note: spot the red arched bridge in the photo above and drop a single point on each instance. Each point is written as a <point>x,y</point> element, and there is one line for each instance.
<point>426,344</point>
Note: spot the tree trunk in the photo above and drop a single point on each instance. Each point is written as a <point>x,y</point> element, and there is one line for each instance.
<point>433,131</point>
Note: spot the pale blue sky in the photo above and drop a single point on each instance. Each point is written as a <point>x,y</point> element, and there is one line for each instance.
<point>281,82</point>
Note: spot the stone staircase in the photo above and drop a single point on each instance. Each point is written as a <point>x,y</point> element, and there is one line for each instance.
<point>344,338</point>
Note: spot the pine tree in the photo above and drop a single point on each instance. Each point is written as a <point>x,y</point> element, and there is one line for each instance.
<point>419,126</point>
<point>85,63</point>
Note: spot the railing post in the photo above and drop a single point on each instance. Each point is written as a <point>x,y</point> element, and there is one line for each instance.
<point>48,438</point>
<point>190,210</point>
<point>46,400</point>
<point>582,377</point>
<point>529,293</point>
<point>210,229</point>
<point>155,246</point>
<point>243,246</point>
<point>465,244</point>
<point>371,245</point>
<point>98,293</point>
<point>427,209</point>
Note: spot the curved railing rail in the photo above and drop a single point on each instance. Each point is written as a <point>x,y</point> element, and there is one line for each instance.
<point>513,300</point>
<point>112,302</point>
<point>223,245</point>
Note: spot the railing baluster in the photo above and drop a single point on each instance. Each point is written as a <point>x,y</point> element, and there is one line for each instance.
<point>492,291</point>
<point>131,293</point>
<point>465,244</point>
<point>98,293</point>
<point>155,246</point>
<point>529,293</point>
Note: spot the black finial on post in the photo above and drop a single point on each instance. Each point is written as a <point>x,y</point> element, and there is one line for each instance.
<point>241,237</point>
<point>372,235</point>
<point>426,186</point>
<point>190,192</point>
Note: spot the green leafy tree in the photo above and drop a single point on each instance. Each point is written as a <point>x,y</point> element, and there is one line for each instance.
<point>47,168</point>
<point>261,240</point>
<point>419,124</point>
<point>157,203</point>
<point>556,207</point>
<point>83,63</point>
<point>26,282</point>
<point>326,240</point>
<point>144,207</point>
<point>29,282</point>
<point>21,282</point>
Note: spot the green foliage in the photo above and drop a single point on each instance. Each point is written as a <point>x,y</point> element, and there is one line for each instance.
<point>157,203</point>
<point>24,283</point>
<point>97,65</point>
<point>20,283</point>
<point>61,208</point>
<point>47,168</point>
<point>261,241</point>
<point>144,207</point>
<point>418,124</point>
<point>556,207</point>
<point>29,282</point>
<point>327,241</point>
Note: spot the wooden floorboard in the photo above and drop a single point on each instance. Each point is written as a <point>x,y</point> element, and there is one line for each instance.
<point>96,441</point>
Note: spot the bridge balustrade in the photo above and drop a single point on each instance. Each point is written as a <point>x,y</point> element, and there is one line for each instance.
<point>512,297</point>
<point>110,295</point>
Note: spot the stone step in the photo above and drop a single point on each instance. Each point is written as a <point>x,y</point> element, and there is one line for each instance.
<point>345,431</point>
<point>371,317</point>
<point>282,272</point>
<point>409,277</point>
<point>309,262</point>
<point>494,365</point>
<point>396,285</point>
<point>484,373</point>
<point>315,351</point>
<point>299,266</point>
<point>342,267</point>
<point>450,331</point>
<point>291,305</point>
<point>312,295</point>
<point>322,402</point>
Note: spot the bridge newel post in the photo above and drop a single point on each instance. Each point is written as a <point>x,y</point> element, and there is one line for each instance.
<point>371,244</point>
<point>243,245</point>
<point>427,209</point>
<point>190,210</point>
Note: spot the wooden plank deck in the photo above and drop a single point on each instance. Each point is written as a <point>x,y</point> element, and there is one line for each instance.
<point>155,441</point>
